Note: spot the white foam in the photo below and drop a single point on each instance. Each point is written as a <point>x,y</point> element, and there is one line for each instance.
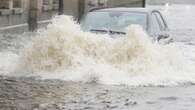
<point>63,51</point>
<point>8,61</point>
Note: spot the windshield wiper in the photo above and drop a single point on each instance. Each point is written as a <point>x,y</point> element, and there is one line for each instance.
<point>116,32</point>
<point>98,30</point>
<point>108,31</point>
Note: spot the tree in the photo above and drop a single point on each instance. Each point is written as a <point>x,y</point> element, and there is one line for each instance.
<point>81,9</point>
<point>33,15</point>
<point>144,3</point>
<point>61,7</point>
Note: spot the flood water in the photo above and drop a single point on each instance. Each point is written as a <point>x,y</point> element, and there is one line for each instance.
<point>134,72</point>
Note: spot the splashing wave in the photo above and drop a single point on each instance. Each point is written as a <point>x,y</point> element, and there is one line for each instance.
<point>65,52</point>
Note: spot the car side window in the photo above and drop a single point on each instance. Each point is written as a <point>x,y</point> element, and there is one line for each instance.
<point>160,20</point>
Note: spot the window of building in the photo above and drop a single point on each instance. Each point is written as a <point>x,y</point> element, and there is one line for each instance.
<point>47,5</point>
<point>10,4</point>
<point>17,4</point>
<point>4,4</point>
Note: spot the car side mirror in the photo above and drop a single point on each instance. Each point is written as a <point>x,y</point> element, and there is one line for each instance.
<point>164,38</point>
<point>163,35</point>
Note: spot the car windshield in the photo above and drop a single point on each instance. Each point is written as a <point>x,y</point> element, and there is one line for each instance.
<point>113,20</point>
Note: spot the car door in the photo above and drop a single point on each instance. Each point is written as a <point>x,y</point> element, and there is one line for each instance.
<point>159,26</point>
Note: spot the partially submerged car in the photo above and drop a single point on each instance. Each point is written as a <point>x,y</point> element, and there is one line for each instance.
<point>116,20</point>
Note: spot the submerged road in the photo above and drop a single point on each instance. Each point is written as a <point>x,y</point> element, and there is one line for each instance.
<point>35,94</point>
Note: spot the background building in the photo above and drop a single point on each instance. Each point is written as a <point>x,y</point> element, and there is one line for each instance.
<point>161,2</point>
<point>13,12</point>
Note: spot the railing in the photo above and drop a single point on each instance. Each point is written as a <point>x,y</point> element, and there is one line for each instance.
<point>22,25</point>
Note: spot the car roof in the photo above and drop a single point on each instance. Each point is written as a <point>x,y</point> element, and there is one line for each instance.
<point>120,9</point>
